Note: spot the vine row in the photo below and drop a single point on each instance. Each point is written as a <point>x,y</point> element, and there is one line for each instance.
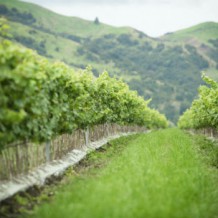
<point>40,100</point>
<point>204,110</point>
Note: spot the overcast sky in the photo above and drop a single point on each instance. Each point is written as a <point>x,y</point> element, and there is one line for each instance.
<point>153,17</point>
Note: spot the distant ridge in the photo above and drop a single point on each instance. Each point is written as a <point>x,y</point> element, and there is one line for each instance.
<point>202,32</point>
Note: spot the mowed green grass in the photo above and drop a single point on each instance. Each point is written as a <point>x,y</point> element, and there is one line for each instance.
<point>154,175</point>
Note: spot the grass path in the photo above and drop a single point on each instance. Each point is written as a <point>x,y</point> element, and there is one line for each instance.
<point>155,175</point>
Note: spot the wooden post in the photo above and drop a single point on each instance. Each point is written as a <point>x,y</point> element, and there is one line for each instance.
<point>47,151</point>
<point>87,136</point>
<point>107,130</point>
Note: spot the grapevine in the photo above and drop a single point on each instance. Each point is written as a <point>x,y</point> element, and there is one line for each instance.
<point>204,110</point>
<point>41,100</point>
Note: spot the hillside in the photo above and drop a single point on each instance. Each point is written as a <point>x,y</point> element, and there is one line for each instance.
<point>49,21</point>
<point>201,33</point>
<point>202,36</point>
<point>56,36</point>
<point>166,69</point>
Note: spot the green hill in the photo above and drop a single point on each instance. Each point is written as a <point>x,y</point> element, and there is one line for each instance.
<point>166,69</point>
<point>204,37</point>
<point>56,36</point>
<point>201,33</point>
<point>50,21</point>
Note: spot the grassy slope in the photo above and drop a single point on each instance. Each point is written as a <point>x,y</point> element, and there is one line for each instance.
<point>67,46</point>
<point>66,24</point>
<point>196,36</point>
<point>201,33</point>
<point>67,49</point>
<point>156,175</point>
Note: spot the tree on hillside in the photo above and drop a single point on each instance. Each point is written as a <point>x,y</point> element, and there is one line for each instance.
<point>97,22</point>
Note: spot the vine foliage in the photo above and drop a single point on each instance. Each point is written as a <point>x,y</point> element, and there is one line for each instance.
<point>40,100</point>
<point>204,110</point>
